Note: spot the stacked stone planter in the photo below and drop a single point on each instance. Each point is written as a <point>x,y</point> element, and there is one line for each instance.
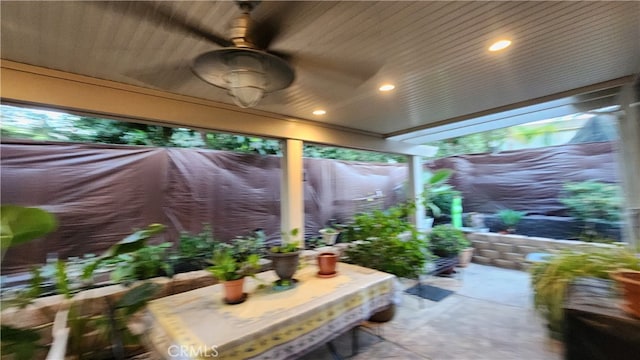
<point>41,312</point>
<point>509,250</point>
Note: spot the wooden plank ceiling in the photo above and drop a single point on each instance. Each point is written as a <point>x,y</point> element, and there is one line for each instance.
<point>434,52</point>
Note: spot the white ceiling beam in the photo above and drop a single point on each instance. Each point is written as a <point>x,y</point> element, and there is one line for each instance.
<point>41,87</point>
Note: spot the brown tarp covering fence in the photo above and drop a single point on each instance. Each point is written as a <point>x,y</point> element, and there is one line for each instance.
<point>101,193</point>
<point>528,180</point>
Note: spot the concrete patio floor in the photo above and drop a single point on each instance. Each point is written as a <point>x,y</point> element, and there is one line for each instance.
<point>490,316</point>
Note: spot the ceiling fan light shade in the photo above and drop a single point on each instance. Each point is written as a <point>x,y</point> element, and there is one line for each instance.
<point>246,79</point>
<point>246,73</point>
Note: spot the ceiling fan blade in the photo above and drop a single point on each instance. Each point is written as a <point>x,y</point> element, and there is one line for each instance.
<point>270,20</point>
<point>345,73</point>
<point>167,77</point>
<point>164,15</point>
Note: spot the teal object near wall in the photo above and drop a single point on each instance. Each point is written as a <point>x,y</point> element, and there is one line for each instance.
<point>456,212</point>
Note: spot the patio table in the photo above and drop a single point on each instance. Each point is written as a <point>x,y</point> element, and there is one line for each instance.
<point>270,324</point>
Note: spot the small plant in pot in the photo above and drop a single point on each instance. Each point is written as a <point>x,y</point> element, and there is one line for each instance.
<point>285,259</point>
<point>231,270</point>
<point>447,241</point>
<point>510,218</point>
<point>329,235</point>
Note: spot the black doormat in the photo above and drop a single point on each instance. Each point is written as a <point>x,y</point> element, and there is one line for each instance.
<point>429,292</point>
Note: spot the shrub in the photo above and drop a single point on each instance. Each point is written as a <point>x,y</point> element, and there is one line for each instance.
<point>381,224</point>
<point>390,254</point>
<point>446,241</point>
<point>593,200</point>
<point>590,202</point>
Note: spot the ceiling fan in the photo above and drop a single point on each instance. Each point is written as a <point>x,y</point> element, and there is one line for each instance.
<point>245,65</point>
<point>244,69</point>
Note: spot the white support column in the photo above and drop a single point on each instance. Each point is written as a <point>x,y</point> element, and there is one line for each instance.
<point>416,187</point>
<point>629,129</point>
<point>292,190</point>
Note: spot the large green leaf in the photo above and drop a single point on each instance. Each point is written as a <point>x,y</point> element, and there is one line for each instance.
<point>129,244</point>
<point>437,177</point>
<point>20,224</point>
<point>136,298</point>
<point>134,241</point>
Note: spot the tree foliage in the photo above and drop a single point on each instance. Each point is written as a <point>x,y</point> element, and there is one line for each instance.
<point>42,125</point>
<point>483,142</point>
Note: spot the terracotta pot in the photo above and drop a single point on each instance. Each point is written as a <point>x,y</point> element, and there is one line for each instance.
<point>233,290</point>
<point>327,263</point>
<point>464,258</point>
<point>629,283</point>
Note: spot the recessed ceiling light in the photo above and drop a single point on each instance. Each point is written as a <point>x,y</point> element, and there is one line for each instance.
<point>499,45</point>
<point>319,112</point>
<point>387,87</point>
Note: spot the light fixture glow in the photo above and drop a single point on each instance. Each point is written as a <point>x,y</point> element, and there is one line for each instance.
<point>499,45</point>
<point>245,79</point>
<point>319,112</point>
<point>387,87</point>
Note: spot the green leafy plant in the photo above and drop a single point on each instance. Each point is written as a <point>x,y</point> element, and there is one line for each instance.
<point>328,231</point>
<point>239,258</point>
<point>22,343</point>
<point>62,280</point>
<point>131,243</point>
<point>227,267</point>
<point>144,263</point>
<point>551,279</point>
<point>379,223</point>
<point>590,202</point>
<point>510,218</point>
<point>446,241</point>
<point>437,191</point>
<point>194,251</point>
<point>20,224</point>
<point>288,245</point>
<point>88,335</point>
<point>404,258</point>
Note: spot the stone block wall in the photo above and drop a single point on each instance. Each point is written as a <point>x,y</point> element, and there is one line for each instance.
<point>509,250</point>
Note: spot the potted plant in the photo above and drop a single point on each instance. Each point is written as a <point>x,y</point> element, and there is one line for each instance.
<point>629,282</point>
<point>329,235</point>
<point>231,269</point>
<point>510,218</point>
<point>550,279</point>
<point>447,241</point>
<point>403,258</point>
<point>285,259</point>
<point>22,224</point>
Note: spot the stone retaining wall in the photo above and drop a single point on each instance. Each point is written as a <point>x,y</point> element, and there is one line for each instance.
<point>509,251</point>
<point>40,313</point>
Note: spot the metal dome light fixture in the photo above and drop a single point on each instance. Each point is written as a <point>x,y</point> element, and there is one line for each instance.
<point>246,72</point>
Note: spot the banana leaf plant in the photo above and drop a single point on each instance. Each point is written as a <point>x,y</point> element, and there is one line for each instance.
<point>19,224</point>
<point>435,183</point>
